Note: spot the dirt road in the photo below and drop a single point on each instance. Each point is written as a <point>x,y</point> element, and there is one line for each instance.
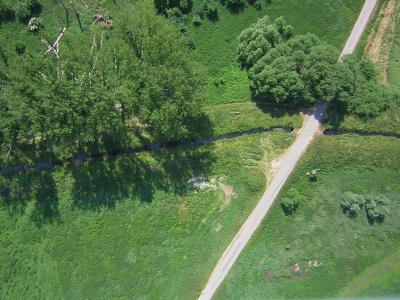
<point>288,163</point>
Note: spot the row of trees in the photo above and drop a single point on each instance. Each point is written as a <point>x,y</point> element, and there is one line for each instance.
<point>99,91</point>
<point>300,69</point>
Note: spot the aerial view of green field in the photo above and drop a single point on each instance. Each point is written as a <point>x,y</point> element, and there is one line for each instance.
<point>199,149</point>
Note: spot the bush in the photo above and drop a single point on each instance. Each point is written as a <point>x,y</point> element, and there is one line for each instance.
<point>291,201</point>
<point>6,12</point>
<point>210,8</point>
<point>235,5</point>
<point>24,9</point>
<point>20,48</point>
<point>257,5</point>
<point>352,203</point>
<point>377,207</point>
<point>196,20</point>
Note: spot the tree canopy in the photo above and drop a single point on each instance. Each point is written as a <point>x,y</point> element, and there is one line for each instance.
<point>100,90</point>
<point>300,69</point>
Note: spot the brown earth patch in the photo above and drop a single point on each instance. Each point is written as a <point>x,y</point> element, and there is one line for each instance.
<point>380,41</point>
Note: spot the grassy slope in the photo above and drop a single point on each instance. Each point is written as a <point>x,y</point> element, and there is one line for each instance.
<point>216,42</point>
<point>125,228</point>
<point>382,278</point>
<point>319,230</point>
<point>232,117</point>
<point>387,122</point>
<point>394,63</point>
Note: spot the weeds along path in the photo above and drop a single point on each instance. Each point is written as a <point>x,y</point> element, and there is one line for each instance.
<point>288,163</point>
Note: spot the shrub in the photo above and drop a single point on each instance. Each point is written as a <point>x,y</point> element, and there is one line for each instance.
<point>6,12</point>
<point>175,15</point>
<point>257,5</point>
<point>235,4</point>
<point>20,48</point>
<point>377,207</point>
<point>210,8</point>
<point>24,9</point>
<point>291,201</point>
<point>352,202</point>
<point>196,20</point>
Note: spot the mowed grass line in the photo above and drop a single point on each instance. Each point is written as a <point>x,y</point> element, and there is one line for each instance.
<point>133,227</point>
<point>319,230</point>
<point>381,279</point>
<point>216,42</point>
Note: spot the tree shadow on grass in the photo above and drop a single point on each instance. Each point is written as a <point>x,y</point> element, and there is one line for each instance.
<point>102,184</point>
<point>18,190</point>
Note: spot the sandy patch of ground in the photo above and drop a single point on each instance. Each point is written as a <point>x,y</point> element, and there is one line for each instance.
<point>381,40</point>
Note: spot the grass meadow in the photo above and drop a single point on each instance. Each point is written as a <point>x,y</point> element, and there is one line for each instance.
<point>348,255</point>
<point>131,227</point>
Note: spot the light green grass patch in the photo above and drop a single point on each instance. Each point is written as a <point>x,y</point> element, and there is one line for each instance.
<point>319,230</point>
<point>133,227</point>
<point>381,279</point>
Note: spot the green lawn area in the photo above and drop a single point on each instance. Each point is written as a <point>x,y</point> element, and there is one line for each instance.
<point>243,116</point>
<point>346,249</point>
<point>394,62</point>
<point>132,227</point>
<point>216,42</point>
<point>382,278</point>
<point>386,122</point>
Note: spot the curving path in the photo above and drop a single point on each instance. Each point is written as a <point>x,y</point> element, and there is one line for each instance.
<point>288,163</point>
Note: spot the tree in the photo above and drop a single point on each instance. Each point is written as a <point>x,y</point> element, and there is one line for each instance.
<point>352,203</point>
<point>259,38</point>
<point>291,201</point>
<point>299,69</point>
<point>377,206</point>
<point>99,91</point>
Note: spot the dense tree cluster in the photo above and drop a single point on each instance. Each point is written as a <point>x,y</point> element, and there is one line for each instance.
<point>376,206</point>
<point>140,77</point>
<point>300,69</point>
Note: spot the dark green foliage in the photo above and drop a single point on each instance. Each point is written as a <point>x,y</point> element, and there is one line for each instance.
<point>6,12</point>
<point>377,207</point>
<point>25,8</point>
<point>258,5</point>
<point>210,8</point>
<point>162,6</point>
<point>196,19</point>
<point>258,39</point>
<point>95,99</point>
<point>291,201</point>
<point>301,69</point>
<point>20,48</point>
<point>352,203</point>
<point>235,5</point>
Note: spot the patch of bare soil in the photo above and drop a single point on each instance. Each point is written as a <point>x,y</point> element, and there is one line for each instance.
<point>380,41</point>
<point>228,194</point>
<point>297,271</point>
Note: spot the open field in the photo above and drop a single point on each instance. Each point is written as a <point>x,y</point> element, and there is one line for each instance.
<point>394,62</point>
<point>243,116</point>
<point>131,227</point>
<point>386,122</point>
<point>381,279</point>
<point>330,248</point>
